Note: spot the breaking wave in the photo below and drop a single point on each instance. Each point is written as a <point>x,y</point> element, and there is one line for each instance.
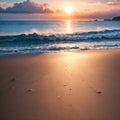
<point>85,36</point>
<point>35,43</point>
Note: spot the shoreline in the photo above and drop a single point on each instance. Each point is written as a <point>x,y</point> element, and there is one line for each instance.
<point>60,52</point>
<point>82,85</point>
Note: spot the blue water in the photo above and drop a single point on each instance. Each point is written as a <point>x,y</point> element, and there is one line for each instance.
<point>29,37</point>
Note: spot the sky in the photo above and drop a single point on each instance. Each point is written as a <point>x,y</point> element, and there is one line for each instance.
<point>62,9</point>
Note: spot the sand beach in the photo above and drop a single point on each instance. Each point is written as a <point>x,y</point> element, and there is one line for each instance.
<point>82,85</point>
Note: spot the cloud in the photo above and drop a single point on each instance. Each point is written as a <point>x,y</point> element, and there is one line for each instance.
<point>98,14</point>
<point>1,10</point>
<point>4,5</point>
<point>83,11</point>
<point>29,6</point>
<point>113,3</point>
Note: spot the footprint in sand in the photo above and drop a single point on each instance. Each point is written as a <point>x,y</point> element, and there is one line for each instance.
<point>59,97</point>
<point>13,80</point>
<point>70,89</point>
<point>65,85</point>
<point>69,105</point>
<point>12,85</point>
<point>30,90</point>
<point>99,92</point>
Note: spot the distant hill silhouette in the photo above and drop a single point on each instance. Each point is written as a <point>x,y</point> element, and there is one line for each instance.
<point>116,18</point>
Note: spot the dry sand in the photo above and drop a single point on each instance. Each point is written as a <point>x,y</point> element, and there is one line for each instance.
<point>61,86</point>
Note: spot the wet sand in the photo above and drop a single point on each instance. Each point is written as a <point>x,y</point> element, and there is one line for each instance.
<point>61,86</point>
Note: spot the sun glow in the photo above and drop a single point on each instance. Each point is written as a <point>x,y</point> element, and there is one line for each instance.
<point>69,10</point>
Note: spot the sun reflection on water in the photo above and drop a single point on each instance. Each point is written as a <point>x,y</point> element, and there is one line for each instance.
<point>69,26</point>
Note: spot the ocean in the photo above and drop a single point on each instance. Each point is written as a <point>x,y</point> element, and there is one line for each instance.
<point>31,37</point>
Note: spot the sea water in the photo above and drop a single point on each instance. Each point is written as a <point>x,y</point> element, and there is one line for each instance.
<point>29,37</point>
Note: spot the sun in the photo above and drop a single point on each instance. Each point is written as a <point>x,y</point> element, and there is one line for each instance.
<point>69,10</point>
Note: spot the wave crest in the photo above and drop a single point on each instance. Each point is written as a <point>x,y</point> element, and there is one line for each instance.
<point>85,36</point>
<point>35,43</point>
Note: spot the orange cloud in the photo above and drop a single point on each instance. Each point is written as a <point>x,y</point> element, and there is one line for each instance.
<point>114,3</point>
<point>97,14</point>
<point>5,5</point>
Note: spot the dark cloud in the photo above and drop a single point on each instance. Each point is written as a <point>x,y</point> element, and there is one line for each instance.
<point>28,6</point>
<point>1,10</point>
